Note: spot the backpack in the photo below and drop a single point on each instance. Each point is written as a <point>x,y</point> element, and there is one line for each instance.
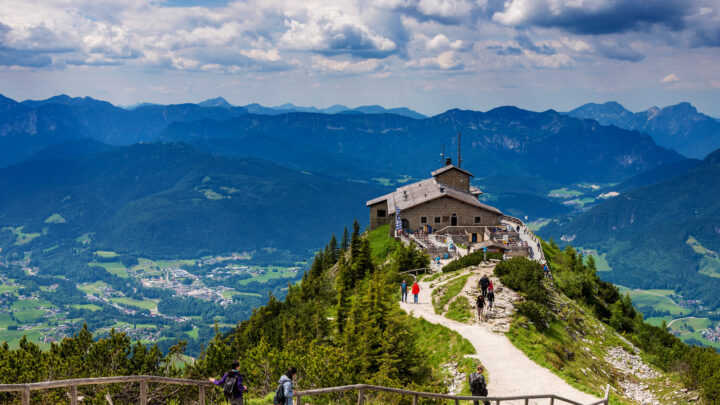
<point>230,385</point>
<point>280,394</point>
<point>477,384</point>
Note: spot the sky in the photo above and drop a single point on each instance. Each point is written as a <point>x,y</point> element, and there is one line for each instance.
<point>428,55</point>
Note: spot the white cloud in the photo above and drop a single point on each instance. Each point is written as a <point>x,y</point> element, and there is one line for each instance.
<point>670,78</point>
<point>447,60</point>
<point>346,66</point>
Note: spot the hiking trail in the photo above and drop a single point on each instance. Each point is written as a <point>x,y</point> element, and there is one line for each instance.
<point>510,372</point>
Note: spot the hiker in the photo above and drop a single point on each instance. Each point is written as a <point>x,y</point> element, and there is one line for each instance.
<point>484,282</point>
<point>547,270</point>
<point>490,297</point>
<point>232,384</point>
<point>415,291</point>
<point>403,291</point>
<point>480,304</point>
<point>478,387</point>
<point>284,392</point>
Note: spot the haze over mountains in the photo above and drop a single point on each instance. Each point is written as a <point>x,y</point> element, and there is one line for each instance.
<point>680,127</point>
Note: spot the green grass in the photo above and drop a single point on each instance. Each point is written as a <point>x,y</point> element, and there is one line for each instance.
<point>115,268</point>
<point>459,309</point>
<point>143,304</point>
<point>164,264</point>
<point>193,333</point>
<point>22,237</point>
<point>12,337</point>
<point>55,219</point>
<point>658,320</point>
<point>381,243</point>
<point>31,304</point>
<point>5,321</point>
<point>565,190</point>
<point>443,346</point>
<point>281,272</point>
<point>9,288</point>
<point>105,253</point>
<point>443,294</point>
<point>681,324</point>
<point>536,225</point>
<point>710,262</point>
<point>657,299</point>
<point>92,288</point>
<point>29,315</point>
<point>89,307</point>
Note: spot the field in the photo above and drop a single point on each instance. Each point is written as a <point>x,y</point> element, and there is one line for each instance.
<point>55,219</point>
<point>23,238</point>
<point>142,304</point>
<point>113,268</point>
<point>105,254</point>
<point>89,307</point>
<point>601,263</point>
<point>657,299</point>
<point>271,273</point>
<point>9,288</point>
<point>92,288</point>
<point>710,262</point>
<point>564,192</point>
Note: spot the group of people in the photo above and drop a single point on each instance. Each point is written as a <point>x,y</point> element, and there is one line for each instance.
<point>404,291</point>
<point>487,292</point>
<point>233,388</point>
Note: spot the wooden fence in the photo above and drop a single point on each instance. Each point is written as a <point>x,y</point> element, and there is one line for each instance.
<point>75,383</point>
<point>362,388</point>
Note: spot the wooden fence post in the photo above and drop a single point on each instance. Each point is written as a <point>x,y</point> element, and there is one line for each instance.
<point>26,396</point>
<point>143,392</point>
<point>361,396</point>
<point>527,401</point>
<point>201,395</point>
<point>73,395</point>
<point>415,398</point>
<point>299,400</point>
<point>552,400</point>
<point>457,402</point>
<point>607,394</point>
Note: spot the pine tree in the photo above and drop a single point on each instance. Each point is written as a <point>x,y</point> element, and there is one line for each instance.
<point>345,244</point>
<point>355,241</point>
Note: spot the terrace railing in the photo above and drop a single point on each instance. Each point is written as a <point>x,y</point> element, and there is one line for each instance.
<point>363,388</point>
<point>73,385</point>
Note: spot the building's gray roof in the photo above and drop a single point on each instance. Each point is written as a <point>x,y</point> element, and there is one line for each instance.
<point>414,194</point>
<point>450,167</point>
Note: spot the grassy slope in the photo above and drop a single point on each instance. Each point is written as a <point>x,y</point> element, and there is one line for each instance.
<point>574,347</point>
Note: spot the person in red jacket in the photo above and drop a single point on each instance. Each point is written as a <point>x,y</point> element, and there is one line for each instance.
<point>415,291</point>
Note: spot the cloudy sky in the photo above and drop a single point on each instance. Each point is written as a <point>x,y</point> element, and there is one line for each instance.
<point>429,55</point>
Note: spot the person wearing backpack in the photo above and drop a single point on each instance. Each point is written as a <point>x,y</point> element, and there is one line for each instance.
<point>483,283</point>
<point>478,387</point>
<point>232,384</point>
<point>480,305</point>
<point>284,392</point>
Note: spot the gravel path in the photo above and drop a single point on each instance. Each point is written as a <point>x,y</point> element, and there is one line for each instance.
<point>510,372</point>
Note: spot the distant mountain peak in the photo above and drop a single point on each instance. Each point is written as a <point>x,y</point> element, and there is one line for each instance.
<point>216,102</point>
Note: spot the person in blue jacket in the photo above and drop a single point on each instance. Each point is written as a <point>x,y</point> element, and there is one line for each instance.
<point>287,383</point>
<point>235,396</point>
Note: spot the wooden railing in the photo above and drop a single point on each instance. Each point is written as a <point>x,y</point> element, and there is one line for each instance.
<point>362,388</point>
<point>75,383</point>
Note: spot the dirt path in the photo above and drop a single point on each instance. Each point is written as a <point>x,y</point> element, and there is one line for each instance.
<point>510,372</point>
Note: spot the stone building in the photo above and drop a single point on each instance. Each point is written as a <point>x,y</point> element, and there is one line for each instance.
<point>445,203</point>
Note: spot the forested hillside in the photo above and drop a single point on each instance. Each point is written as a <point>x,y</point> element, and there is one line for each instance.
<point>340,325</point>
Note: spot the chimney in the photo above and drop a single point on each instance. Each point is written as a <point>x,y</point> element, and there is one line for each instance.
<point>448,162</point>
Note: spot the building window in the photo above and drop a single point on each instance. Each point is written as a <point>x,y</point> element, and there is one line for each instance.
<point>437,220</point>
<point>381,213</point>
<point>423,220</point>
<point>478,220</point>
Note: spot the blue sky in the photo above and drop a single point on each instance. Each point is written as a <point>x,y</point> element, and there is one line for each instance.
<point>429,55</point>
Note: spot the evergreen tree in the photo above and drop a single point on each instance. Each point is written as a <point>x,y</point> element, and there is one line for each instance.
<point>355,240</point>
<point>345,244</point>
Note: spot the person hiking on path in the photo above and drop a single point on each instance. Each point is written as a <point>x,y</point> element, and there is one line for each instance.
<point>490,298</point>
<point>478,387</point>
<point>403,291</point>
<point>480,304</point>
<point>484,283</point>
<point>232,384</point>
<point>415,291</point>
<point>284,392</point>
<point>547,270</point>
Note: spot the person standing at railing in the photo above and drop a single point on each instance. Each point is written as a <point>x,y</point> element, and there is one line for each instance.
<point>285,388</point>
<point>232,384</point>
<point>478,386</point>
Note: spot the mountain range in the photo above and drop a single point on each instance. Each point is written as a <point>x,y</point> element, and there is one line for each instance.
<point>335,109</point>
<point>172,200</point>
<point>663,235</point>
<point>680,127</point>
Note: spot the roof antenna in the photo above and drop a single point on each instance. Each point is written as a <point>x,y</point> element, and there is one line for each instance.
<point>459,162</point>
<point>442,155</point>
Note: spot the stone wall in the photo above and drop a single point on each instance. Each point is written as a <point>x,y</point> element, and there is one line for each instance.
<point>375,219</point>
<point>454,178</point>
<point>444,208</point>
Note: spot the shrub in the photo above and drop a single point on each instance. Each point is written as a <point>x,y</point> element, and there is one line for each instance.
<point>524,276</point>
<point>473,259</point>
<point>535,312</point>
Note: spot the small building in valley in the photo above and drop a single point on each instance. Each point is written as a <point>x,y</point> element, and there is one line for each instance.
<point>445,203</point>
